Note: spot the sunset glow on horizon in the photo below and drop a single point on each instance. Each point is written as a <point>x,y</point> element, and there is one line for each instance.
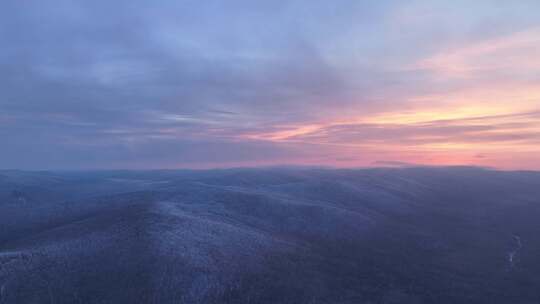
<point>181,84</point>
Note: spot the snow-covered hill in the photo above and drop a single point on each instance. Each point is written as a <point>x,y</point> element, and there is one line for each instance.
<point>411,235</point>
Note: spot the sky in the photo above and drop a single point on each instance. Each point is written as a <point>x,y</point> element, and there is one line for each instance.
<point>203,84</point>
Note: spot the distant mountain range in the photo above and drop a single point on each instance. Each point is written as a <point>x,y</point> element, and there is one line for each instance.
<point>278,235</point>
